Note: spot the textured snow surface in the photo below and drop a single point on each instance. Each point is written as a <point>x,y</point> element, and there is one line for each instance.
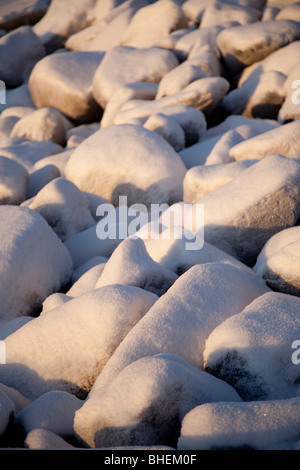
<point>149,224</point>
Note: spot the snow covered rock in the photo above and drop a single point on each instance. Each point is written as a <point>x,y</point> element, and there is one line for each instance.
<point>254,425</point>
<point>202,180</point>
<point>197,40</point>
<point>259,97</point>
<point>85,267</point>
<point>290,111</point>
<point>124,64</point>
<point>64,207</point>
<point>182,319</point>
<point>34,262</point>
<point>153,173</point>
<point>13,182</point>
<point>219,12</point>
<point>20,50</point>
<point>78,134</point>
<point>62,20</point>
<point>58,159</point>
<point>42,124</point>
<point>131,265</point>
<point>19,96</point>
<point>178,78</point>
<point>27,152</point>
<point>54,411</point>
<point>290,12</point>
<point>146,402</point>
<point>6,409</point>
<point>278,262</point>
<point>243,45</point>
<point>168,128</point>
<point>43,439</point>
<point>266,200</point>
<point>71,75</point>
<point>283,140</point>
<point>16,397</point>
<point>81,336</point>
<point>153,22</point>
<point>13,325</point>
<point>22,14</point>
<point>58,299</point>
<point>252,350</point>
<point>88,281</point>
<point>39,178</point>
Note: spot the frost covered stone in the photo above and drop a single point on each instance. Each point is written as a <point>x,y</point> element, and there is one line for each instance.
<point>146,402</point>
<point>242,224</point>
<point>13,182</point>
<point>252,350</point>
<point>278,262</point>
<point>81,336</point>
<point>54,411</point>
<point>152,173</point>
<point>64,207</point>
<point>64,81</point>
<point>131,265</point>
<point>40,125</point>
<point>255,425</point>
<point>34,262</point>
<point>182,319</point>
<point>124,64</point>
<point>19,51</point>
<point>243,45</point>
<point>62,20</point>
<point>283,140</point>
<point>154,22</point>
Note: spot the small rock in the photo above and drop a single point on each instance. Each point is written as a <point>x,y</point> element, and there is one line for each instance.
<point>43,439</point>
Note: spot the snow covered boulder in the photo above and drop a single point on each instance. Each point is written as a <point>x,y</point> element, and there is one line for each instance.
<point>54,411</point>
<point>88,281</point>
<point>124,64</point>
<point>145,404</point>
<point>64,207</point>
<point>178,78</point>
<point>131,265</point>
<point>6,410</point>
<point>27,152</point>
<point>62,20</point>
<point>283,140</point>
<point>278,263</point>
<point>39,178</point>
<point>20,50</point>
<point>168,128</point>
<point>78,134</point>
<point>13,182</point>
<point>290,12</point>
<point>153,22</point>
<point>34,262</point>
<point>152,173</point>
<point>252,351</point>
<point>203,179</point>
<point>65,349</point>
<point>71,75</point>
<point>266,200</point>
<point>42,124</point>
<point>181,320</point>
<point>219,12</point>
<point>256,425</point>
<point>16,397</point>
<point>243,45</point>
<point>23,13</point>
<point>43,439</point>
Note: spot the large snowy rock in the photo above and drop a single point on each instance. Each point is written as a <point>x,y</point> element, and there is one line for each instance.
<point>145,404</point>
<point>33,264</point>
<point>203,179</point>
<point>62,20</point>
<point>28,152</point>
<point>64,207</point>
<point>243,214</point>
<point>19,52</point>
<point>64,81</point>
<point>131,265</point>
<point>124,64</point>
<point>283,140</point>
<point>278,262</point>
<point>252,350</point>
<point>13,182</point>
<point>254,425</point>
<point>219,12</point>
<point>290,12</point>
<point>178,78</point>
<point>154,22</point>
<point>42,124</point>
<point>54,411</point>
<point>243,45</point>
<point>147,170</point>
<point>81,336</point>
<point>182,319</point>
